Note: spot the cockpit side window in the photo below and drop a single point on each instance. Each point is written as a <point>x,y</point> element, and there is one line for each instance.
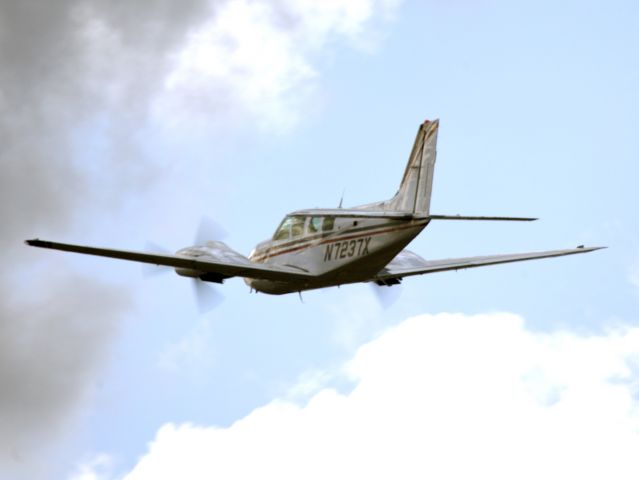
<point>328,223</point>
<point>297,226</point>
<point>284,230</point>
<point>314,224</point>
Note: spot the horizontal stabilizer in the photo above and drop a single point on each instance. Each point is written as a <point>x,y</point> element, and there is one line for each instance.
<point>397,215</point>
<point>467,217</point>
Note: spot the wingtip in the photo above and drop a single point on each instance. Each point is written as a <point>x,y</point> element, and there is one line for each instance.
<point>590,249</point>
<point>36,242</point>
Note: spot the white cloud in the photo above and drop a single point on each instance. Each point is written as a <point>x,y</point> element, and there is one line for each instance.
<point>97,468</point>
<point>307,385</point>
<point>443,396</point>
<point>256,58</point>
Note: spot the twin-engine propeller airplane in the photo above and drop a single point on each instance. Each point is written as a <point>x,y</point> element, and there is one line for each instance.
<point>319,248</point>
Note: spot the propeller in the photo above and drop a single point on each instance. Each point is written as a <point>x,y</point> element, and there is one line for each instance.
<point>209,229</point>
<point>206,295</point>
<point>150,270</point>
<point>386,295</point>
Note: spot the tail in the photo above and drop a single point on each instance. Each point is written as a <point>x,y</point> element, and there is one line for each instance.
<point>416,187</point>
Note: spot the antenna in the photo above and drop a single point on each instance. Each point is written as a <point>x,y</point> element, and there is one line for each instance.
<point>341,199</point>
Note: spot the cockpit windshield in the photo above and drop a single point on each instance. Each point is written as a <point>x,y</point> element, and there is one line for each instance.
<point>293,226</point>
<point>284,230</point>
<point>297,226</point>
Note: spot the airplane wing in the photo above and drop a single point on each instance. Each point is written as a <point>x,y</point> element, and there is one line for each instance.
<point>407,263</point>
<point>214,258</point>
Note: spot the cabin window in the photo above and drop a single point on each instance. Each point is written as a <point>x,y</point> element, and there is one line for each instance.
<point>314,224</point>
<point>284,230</point>
<point>297,226</point>
<point>328,223</point>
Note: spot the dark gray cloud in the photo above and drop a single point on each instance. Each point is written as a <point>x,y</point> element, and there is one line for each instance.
<point>50,346</point>
<point>63,63</point>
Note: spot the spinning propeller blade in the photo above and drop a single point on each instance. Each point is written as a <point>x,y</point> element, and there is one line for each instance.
<point>206,296</point>
<point>208,230</point>
<point>386,295</point>
<point>149,270</point>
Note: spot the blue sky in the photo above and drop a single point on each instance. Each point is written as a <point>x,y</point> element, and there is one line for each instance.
<point>264,108</point>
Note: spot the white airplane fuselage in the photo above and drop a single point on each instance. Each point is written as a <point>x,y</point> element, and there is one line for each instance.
<point>353,250</point>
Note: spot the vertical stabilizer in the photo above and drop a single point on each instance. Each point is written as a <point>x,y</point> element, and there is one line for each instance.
<point>417,183</point>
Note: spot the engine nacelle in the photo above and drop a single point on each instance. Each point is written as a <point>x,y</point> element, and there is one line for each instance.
<point>215,252</point>
<point>187,272</point>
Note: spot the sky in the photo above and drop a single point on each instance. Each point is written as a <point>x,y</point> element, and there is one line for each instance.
<point>124,123</point>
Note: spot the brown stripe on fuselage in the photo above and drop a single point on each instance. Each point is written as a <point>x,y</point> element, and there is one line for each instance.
<point>331,234</point>
<point>348,235</point>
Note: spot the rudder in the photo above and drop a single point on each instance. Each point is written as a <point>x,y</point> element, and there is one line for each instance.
<point>416,187</point>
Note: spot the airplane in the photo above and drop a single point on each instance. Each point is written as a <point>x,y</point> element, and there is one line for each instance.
<point>318,248</point>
